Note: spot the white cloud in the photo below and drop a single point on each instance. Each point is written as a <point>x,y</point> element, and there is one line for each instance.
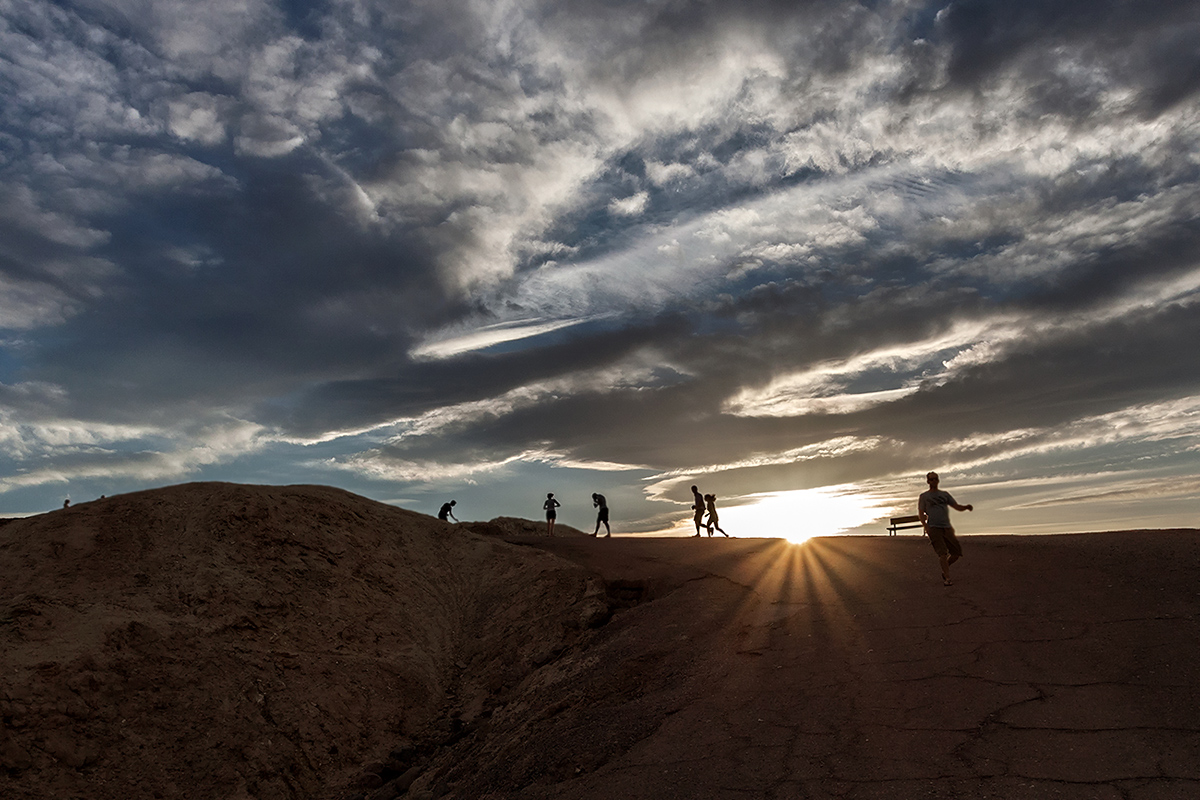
<point>51,449</point>
<point>198,116</point>
<point>820,388</point>
<point>267,136</point>
<point>908,368</point>
<point>661,174</point>
<point>487,336</point>
<point>25,304</point>
<point>661,485</point>
<point>630,206</point>
<point>384,465</point>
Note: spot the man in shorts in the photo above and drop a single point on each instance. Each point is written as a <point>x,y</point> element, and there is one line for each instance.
<point>934,507</point>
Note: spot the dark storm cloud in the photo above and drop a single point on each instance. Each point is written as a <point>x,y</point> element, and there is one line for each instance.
<point>223,303</point>
<point>421,387</point>
<point>789,330</point>
<point>660,35</point>
<point>1150,45</point>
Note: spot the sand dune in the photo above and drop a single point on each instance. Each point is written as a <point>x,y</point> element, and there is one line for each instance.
<point>214,640</point>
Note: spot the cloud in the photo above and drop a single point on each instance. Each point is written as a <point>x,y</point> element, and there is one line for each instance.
<point>988,39</point>
<point>197,116</point>
<point>629,206</point>
<point>26,305</point>
<point>44,446</point>
<point>429,243</point>
<point>490,335</point>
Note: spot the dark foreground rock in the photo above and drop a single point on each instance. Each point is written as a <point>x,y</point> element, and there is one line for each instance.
<point>215,640</point>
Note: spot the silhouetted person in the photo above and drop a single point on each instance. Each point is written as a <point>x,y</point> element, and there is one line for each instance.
<point>934,507</point>
<point>711,502</point>
<point>446,512</point>
<point>67,503</point>
<point>698,507</point>
<point>602,515</point>
<point>550,505</point>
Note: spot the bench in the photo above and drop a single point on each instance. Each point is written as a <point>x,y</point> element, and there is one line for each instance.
<point>903,523</point>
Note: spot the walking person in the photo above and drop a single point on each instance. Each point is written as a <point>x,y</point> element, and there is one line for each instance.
<point>447,513</point>
<point>711,503</point>
<point>698,507</point>
<point>550,505</point>
<point>601,515</point>
<point>933,507</point>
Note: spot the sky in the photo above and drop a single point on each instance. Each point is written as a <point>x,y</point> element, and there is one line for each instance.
<point>798,253</point>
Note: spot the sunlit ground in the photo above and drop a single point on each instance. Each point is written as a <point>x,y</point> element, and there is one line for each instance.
<point>801,514</point>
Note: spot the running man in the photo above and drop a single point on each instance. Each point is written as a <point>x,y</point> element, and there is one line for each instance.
<point>934,507</point>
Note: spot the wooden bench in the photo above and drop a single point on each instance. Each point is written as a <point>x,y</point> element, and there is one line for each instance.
<point>903,523</point>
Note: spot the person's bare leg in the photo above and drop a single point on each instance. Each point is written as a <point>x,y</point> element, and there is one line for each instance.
<point>945,562</point>
<point>954,558</point>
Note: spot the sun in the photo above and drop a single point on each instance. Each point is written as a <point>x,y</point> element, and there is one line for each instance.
<point>801,514</point>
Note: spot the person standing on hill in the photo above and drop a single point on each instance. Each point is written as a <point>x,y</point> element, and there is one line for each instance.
<point>550,505</point>
<point>447,513</point>
<point>602,515</point>
<point>934,507</point>
<point>698,507</point>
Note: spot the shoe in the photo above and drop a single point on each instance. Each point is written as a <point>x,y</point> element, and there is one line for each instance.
<point>947,582</point>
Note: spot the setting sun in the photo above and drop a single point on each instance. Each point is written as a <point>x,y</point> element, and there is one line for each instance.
<point>802,514</point>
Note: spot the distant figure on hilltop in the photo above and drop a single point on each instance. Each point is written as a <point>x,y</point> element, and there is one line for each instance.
<point>550,505</point>
<point>67,503</point>
<point>698,507</point>
<point>934,507</point>
<point>446,512</point>
<point>711,503</point>
<point>602,515</point>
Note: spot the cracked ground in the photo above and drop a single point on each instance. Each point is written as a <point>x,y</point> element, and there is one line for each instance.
<point>1054,667</point>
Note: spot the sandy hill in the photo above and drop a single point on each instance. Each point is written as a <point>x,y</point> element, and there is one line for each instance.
<point>221,641</point>
<point>215,640</point>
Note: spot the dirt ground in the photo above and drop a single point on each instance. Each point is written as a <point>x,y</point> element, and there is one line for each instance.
<point>224,641</point>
